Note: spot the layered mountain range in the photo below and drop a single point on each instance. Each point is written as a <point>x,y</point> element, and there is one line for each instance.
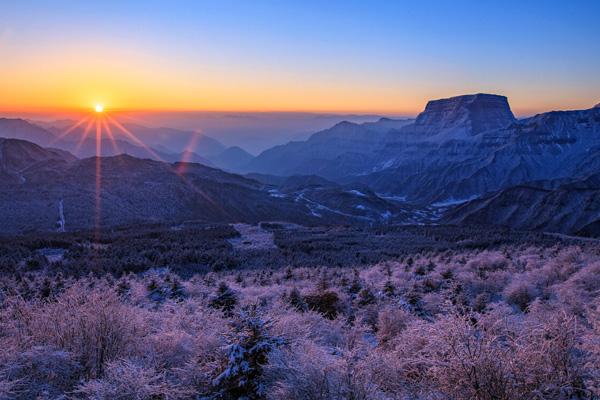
<point>79,140</point>
<point>456,149</point>
<point>45,189</point>
<point>464,160</point>
<point>459,149</point>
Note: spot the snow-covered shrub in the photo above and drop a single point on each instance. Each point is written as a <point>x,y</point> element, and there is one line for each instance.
<point>41,372</point>
<point>128,381</point>
<point>90,323</point>
<point>248,353</point>
<point>326,302</point>
<point>224,299</point>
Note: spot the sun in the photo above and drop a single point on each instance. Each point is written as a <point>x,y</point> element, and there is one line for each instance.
<point>99,108</point>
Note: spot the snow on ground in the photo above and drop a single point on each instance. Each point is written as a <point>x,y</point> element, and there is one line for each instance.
<point>276,193</point>
<point>61,217</point>
<point>357,193</point>
<point>391,197</point>
<point>452,202</point>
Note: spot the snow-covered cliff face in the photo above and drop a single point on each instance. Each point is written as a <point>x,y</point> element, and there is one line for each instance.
<point>558,144</point>
<point>463,116</point>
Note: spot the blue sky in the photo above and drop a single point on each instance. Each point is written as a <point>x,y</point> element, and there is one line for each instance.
<point>341,56</point>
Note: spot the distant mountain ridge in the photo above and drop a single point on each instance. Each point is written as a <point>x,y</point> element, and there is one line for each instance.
<point>465,156</point>
<point>325,149</point>
<point>17,128</point>
<point>36,182</point>
<point>202,149</point>
<point>457,148</point>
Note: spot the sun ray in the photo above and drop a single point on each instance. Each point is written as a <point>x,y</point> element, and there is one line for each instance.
<point>186,155</point>
<point>111,137</point>
<point>70,129</point>
<point>135,139</point>
<point>164,163</point>
<point>84,135</point>
<point>98,175</point>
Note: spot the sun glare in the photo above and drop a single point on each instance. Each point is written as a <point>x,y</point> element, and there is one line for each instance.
<point>99,108</point>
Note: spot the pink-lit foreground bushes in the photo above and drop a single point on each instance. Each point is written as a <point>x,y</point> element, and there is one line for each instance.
<point>512,324</point>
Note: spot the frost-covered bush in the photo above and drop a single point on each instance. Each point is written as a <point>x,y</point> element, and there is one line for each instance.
<point>509,323</point>
<point>41,372</point>
<point>91,323</point>
<point>129,381</point>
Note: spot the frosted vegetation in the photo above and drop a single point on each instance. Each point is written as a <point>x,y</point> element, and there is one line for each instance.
<point>513,323</point>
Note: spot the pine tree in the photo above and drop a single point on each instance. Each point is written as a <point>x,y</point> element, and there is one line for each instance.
<point>225,299</point>
<point>248,353</point>
<point>297,301</point>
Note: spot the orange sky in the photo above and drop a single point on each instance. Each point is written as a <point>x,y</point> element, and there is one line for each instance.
<point>294,57</point>
<point>82,76</point>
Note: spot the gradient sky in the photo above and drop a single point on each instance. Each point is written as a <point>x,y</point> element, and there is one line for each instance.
<point>367,56</point>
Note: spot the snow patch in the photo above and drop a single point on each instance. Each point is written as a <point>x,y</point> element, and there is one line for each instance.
<point>391,197</point>
<point>356,193</point>
<point>276,193</point>
<point>453,202</point>
<point>61,217</point>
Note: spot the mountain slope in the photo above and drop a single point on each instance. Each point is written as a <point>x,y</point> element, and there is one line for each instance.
<point>569,208</point>
<point>324,149</point>
<point>457,148</point>
<point>552,145</point>
<point>40,185</point>
<point>19,159</point>
<point>15,128</point>
<point>232,159</point>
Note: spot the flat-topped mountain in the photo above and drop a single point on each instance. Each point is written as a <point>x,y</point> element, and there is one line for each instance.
<point>349,149</point>
<point>463,116</point>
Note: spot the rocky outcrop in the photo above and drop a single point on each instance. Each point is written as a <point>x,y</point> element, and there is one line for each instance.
<point>463,116</point>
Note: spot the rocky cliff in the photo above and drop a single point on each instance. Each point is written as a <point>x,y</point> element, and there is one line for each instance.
<point>463,116</point>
